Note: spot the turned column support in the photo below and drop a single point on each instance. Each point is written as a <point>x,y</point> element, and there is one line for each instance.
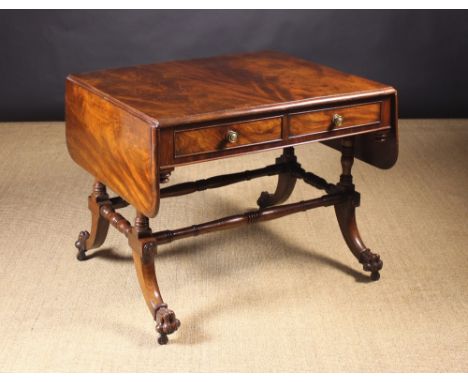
<point>144,242</point>
<point>346,215</point>
<point>144,248</point>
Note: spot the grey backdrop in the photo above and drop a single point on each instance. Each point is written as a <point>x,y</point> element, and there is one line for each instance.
<point>424,54</point>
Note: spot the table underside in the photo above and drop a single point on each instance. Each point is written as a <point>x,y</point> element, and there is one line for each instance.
<point>144,242</point>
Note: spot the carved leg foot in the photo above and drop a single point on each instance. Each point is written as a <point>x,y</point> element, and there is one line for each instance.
<point>99,225</point>
<point>286,182</point>
<point>370,261</point>
<point>80,244</point>
<point>346,215</point>
<point>166,323</point>
<point>143,251</point>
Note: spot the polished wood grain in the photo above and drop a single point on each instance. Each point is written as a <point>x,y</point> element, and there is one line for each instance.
<point>241,89</point>
<point>260,215</point>
<point>346,215</point>
<point>286,181</point>
<point>144,249</point>
<point>99,225</point>
<point>313,122</point>
<point>377,147</point>
<point>212,139</point>
<point>202,90</point>
<point>131,127</point>
<point>369,122</point>
<point>117,147</point>
<point>222,180</point>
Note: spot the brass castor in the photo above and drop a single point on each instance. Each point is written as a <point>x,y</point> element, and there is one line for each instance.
<point>80,244</point>
<point>166,323</point>
<point>81,255</point>
<point>163,339</point>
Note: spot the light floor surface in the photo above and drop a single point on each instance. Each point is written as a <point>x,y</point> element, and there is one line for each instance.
<point>284,295</point>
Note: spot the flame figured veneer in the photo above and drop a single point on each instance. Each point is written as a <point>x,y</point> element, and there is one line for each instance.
<point>131,127</point>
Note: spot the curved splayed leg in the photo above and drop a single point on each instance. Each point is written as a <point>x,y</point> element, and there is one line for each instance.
<point>99,225</point>
<point>286,182</point>
<point>346,215</point>
<point>143,251</point>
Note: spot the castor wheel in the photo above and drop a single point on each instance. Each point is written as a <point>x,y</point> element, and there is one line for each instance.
<point>163,339</point>
<point>80,245</point>
<point>375,276</point>
<point>81,256</point>
<point>166,322</point>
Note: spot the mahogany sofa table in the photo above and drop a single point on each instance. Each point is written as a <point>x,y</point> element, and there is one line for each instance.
<point>131,127</point>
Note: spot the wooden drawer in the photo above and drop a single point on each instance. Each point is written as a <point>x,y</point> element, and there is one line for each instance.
<point>323,120</point>
<point>216,138</point>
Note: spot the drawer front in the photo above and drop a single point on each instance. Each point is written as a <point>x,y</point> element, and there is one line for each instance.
<point>226,137</point>
<point>334,119</point>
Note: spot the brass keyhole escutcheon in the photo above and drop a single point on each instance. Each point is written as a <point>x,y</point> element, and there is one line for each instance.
<point>232,136</point>
<point>337,120</point>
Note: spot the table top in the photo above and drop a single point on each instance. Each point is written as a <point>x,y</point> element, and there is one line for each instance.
<point>201,90</point>
<point>126,126</point>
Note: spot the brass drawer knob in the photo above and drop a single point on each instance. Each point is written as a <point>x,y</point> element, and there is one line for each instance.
<point>232,136</point>
<point>337,120</point>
